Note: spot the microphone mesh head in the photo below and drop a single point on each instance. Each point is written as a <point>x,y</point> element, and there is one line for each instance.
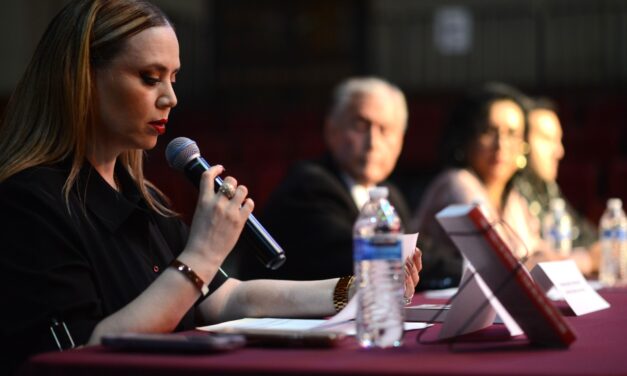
<point>180,151</point>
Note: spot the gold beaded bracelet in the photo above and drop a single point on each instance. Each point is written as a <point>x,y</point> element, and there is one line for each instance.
<point>340,294</point>
<point>191,275</point>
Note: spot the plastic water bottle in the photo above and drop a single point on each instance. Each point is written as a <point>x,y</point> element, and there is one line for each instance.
<point>557,227</point>
<point>613,239</point>
<point>377,252</point>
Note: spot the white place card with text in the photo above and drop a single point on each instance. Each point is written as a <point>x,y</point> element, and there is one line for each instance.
<point>566,278</point>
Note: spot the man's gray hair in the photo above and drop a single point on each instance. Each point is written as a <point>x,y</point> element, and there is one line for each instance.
<point>354,87</point>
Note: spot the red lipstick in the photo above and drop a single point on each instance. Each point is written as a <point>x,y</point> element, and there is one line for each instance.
<point>159,125</point>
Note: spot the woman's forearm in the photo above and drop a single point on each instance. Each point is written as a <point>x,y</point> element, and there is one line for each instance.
<point>158,309</point>
<point>270,298</point>
<point>277,298</point>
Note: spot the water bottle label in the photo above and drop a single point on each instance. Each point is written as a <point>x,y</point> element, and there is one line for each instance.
<point>560,234</point>
<point>620,234</point>
<point>369,250</point>
<point>606,233</point>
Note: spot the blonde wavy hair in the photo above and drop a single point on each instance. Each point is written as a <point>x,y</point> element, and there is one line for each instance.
<point>50,115</point>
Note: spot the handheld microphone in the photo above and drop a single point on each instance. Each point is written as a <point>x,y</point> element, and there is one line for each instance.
<point>183,154</point>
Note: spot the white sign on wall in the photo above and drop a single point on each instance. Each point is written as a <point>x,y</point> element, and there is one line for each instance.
<point>452,30</point>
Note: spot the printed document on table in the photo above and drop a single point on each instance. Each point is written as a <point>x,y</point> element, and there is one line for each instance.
<point>297,325</point>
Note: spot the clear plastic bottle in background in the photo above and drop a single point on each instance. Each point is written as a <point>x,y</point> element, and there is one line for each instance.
<point>613,239</point>
<point>557,227</point>
<point>377,254</point>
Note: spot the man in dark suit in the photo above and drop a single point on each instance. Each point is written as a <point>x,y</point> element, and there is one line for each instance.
<point>312,212</point>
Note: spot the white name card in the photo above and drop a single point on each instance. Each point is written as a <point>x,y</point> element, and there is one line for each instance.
<point>566,278</point>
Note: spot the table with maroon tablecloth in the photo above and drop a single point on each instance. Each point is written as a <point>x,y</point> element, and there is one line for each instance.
<point>600,349</point>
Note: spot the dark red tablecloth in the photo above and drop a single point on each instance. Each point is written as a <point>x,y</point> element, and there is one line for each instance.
<point>600,349</point>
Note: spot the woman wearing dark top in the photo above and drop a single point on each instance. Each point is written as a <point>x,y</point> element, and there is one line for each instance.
<point>89,247</point>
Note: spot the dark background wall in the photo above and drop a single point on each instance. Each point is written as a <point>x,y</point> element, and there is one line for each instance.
<point>256,77</point>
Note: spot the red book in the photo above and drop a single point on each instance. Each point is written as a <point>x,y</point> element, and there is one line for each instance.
<point>510,282</point>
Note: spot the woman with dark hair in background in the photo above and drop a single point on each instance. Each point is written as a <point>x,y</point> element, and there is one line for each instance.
<point>89,247</point>
<point>482,149</point>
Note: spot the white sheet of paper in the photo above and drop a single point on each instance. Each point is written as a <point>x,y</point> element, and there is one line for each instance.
<point>266,323</point>
<point>441,294</point>
<point>349,312</point>
<point>409,244</point>
<point>346,327</point>
<point>566,278</point>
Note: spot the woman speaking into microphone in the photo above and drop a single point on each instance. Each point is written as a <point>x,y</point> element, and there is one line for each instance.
<point>89,247</point>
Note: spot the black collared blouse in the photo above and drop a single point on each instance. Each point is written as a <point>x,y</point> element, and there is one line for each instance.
<point>76,262</point>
